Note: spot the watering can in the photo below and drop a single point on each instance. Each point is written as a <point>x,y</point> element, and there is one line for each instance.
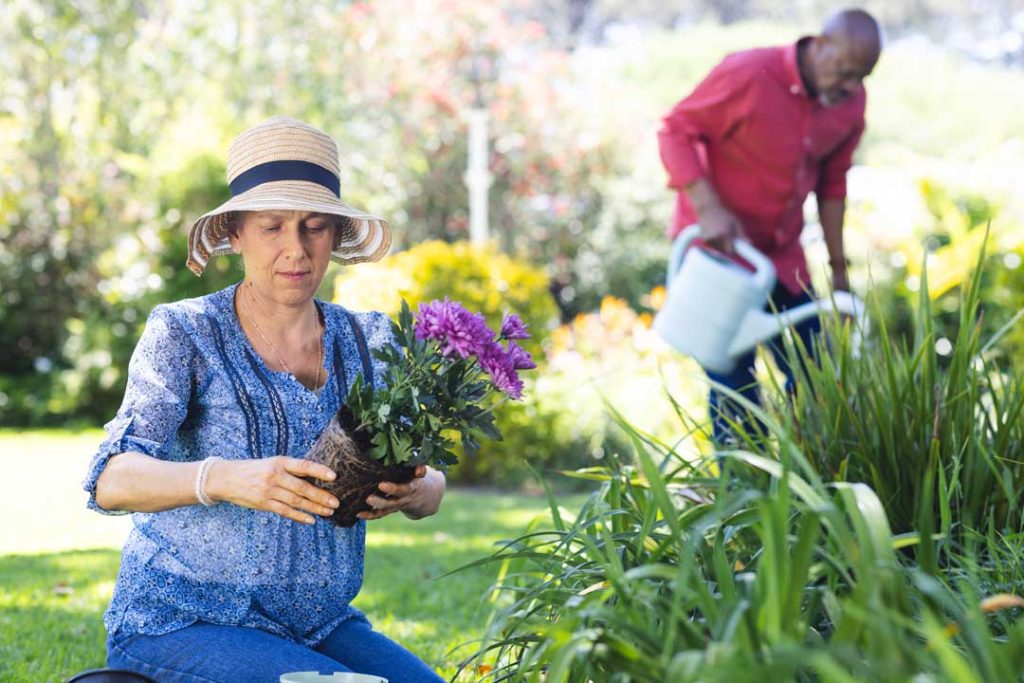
<point>714,308</point>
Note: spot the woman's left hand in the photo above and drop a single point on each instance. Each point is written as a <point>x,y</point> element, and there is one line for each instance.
<point>420,498</point>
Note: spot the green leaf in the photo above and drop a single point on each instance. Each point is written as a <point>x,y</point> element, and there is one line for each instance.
<point>381,444</point>
<point>488,428</point>
<point>401,448</point>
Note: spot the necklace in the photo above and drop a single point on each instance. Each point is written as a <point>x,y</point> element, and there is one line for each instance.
<point>280,359</point>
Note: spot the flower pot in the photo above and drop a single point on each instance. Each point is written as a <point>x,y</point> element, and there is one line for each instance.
<point>314,677</point>
<point>344,449</point>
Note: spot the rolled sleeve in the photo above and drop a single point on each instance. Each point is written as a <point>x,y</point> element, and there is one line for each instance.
<point>155,401</point>
<point>709,113</point>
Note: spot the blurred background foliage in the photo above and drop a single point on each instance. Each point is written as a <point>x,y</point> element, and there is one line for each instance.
<point>481,277</point>
<point>115,117</point>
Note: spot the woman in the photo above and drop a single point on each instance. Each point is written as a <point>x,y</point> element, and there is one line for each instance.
<point>230,572</point>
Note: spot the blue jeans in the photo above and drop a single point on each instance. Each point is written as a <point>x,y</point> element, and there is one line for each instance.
<point>741,379</point>
<point>210,653</point>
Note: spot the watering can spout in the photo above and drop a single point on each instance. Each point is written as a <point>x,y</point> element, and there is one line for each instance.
<point>759,326</point>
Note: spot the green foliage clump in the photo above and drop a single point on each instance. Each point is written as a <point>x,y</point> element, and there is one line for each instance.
<point>669,574</point>
<point>1006,297</point>
<point>933,425</point>
<point>944,253</point>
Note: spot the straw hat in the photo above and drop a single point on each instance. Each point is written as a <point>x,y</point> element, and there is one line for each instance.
<point>284,163</point>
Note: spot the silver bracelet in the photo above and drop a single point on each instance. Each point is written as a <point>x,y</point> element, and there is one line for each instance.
<point>204,472</point>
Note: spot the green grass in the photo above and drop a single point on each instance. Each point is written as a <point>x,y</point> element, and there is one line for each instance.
<point>58,562</point>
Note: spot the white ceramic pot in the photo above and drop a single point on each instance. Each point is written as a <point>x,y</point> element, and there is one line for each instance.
<point>336,677</point>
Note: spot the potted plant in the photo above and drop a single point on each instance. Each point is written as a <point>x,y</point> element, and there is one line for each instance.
<point>446,372</point>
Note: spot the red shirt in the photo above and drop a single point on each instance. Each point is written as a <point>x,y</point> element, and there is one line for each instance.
<point>763,144</point>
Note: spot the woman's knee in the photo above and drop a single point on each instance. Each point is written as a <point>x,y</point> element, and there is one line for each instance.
<point>365,650</point>
<point>203,653</point>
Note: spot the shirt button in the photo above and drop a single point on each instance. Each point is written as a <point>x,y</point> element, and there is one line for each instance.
<point>807,141</point>
<point>795,89</point>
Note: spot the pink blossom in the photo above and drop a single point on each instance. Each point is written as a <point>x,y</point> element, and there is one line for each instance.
<point>499,365</point>
<point>512,327</point>
<point>519,357</point>
<point>453,328</point>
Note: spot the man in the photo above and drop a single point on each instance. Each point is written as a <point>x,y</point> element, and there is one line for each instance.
<point>766,127</point>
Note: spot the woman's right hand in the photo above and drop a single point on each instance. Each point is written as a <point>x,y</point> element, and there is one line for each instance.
<point>273,484</point>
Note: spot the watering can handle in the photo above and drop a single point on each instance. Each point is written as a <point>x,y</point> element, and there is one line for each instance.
<point>764,273</point>
<point>764,269</point>
<point>679,246</point>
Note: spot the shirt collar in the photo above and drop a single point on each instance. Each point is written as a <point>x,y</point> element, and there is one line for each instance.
<point>794,82</point>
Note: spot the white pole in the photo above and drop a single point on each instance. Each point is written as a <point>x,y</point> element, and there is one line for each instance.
<point>478,176</point>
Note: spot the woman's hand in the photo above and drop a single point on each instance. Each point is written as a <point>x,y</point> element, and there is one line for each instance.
<point>420,498</point>
<point>273,484</point>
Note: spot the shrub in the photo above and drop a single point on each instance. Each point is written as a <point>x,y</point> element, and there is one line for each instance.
<point>481,278</point>
<point>944,246</point>
<point>612,355</point>
<point>934,425</point>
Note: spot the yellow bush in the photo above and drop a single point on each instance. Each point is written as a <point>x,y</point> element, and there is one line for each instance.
<point>481,278</point>
<point>612,354</point>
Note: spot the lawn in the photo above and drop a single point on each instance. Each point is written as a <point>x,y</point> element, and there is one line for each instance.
<point>58,562</point>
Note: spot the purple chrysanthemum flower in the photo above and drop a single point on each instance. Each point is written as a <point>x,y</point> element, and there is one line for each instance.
<point>499,365</point>
<point>433,320</point>
<point>520,357</point>
<point>453,327</point>
<point>512,327</point>
<point>470,334</point>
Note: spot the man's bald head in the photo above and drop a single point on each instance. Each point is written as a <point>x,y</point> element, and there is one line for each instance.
<point>843,55</point>
<point>860,29</point>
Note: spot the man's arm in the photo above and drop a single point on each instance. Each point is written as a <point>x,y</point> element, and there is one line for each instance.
<point>831,212</point>
<point>718,226</point>
<point>831,194</point>
<point>714,108</point>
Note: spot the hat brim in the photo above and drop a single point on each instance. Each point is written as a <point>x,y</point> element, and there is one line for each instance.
<point>364,237</point>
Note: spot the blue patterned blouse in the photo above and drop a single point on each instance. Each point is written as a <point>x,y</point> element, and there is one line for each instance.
<point>197,388</point>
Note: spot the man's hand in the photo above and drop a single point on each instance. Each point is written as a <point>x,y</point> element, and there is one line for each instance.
<point>832,212</point>
<point>718,226</point>
<point>840,282</point>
